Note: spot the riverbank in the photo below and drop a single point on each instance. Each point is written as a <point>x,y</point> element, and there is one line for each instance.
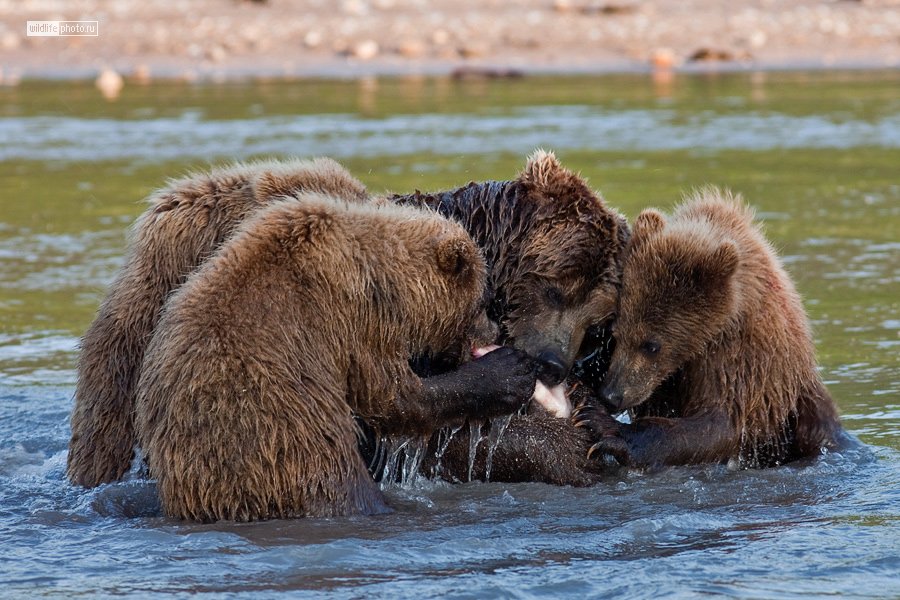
<point>234,40</point>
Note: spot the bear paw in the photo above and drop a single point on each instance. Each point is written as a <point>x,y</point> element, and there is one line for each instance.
<point>603,430</point>
<point>496,383</point>
<point>506,378</point>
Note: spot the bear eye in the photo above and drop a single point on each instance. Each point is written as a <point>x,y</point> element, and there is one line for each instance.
<point>555,297</point>
<point>650,348</point>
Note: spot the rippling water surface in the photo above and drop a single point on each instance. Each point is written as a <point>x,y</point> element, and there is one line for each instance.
<point>817,155</point>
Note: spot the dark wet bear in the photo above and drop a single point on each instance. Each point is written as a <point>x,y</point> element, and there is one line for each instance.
<point>552,247</point>
<point>554,252</point>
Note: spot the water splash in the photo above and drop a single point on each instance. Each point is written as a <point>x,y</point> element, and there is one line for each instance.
<point>474,439</point>
<point>402,459</point>
<point>498,426</point>
<point>379,458</point>
<point>413,455</point>
<point>445,436</point>
<point>393,450</point>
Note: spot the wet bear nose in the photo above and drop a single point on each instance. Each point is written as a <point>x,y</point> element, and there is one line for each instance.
<point>612,398</point>
<point>551,370</point>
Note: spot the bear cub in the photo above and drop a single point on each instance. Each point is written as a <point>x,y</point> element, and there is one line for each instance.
<point>713,356</point>
<point>304,319</point>
<point>185,223</point>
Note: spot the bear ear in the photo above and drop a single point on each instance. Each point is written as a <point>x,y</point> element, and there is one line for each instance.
<point>543,168</point>
<point>713,270</point>
<point>455,255</point>
<point>562,190</point>
<point>650,221</point>
<point>724,260</point>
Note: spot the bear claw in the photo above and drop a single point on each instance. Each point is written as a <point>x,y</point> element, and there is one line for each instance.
<point>603,430</point>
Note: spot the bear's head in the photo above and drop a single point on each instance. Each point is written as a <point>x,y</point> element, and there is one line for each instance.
<point>678,294</point>
<point>560,270</point>
<point>400,280</point>
<point>444,283</point>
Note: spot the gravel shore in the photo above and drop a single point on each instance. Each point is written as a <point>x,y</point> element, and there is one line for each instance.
<point>234,39</point>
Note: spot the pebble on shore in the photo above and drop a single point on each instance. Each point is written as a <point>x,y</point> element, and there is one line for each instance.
<point>365,50</point>
<point>109,83</point>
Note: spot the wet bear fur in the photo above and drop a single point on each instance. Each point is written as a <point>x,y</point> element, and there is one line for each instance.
<point>553,250</point>
<point>184,225</point>
<point>306,317</point>
<point>554,253</point>
<point>714,356</point>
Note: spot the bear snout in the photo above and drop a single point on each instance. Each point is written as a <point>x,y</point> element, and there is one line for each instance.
<point>552,368</point>
<point>612,398</point>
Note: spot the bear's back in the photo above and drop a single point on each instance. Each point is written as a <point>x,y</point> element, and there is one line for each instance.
<point>239,187</point>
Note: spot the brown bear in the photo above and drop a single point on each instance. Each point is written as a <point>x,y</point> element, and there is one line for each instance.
<point>185,224</point>
<point>306,317</point>
<point>552,247</point>
<point>553,250</point>
<point>713,354</point>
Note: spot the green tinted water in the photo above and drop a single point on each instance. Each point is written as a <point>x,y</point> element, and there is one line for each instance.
<point>833,212</point>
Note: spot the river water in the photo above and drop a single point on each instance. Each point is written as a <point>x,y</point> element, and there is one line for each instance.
<point>817,154</point>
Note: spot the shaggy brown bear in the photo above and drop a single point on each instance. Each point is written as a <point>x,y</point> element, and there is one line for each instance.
<point>552,248</point>
<point>713,352</point>
<point>184,225</point>
<point>306,317</point>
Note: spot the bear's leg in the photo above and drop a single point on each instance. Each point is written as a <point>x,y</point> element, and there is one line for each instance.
<point>658,441</point>
<point>364,496</point>
<point>102,444</point>
<point>817,423</point>
<point>499,383</point>
<point>495,384</point>
<point>241,452</point>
